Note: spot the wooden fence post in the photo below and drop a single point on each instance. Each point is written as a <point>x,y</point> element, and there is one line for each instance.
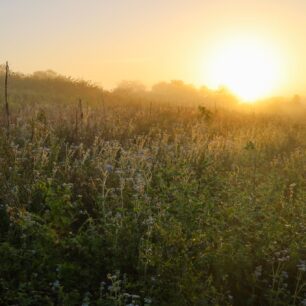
<point>7,110</point>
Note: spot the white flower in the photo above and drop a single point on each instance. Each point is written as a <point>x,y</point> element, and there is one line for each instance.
<point>148,301</point>
<point>109,168</point>
<point>258,271</point>
<point>284,274</point>
<point>56,284</point>
<point>302,266</point>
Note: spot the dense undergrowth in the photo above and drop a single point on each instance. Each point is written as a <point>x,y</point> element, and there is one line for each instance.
<point>131,204</point>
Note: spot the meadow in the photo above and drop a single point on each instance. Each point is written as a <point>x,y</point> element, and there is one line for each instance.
<point>175,196</point>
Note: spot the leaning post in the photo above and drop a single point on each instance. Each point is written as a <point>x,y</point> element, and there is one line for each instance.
<point>7,110</point>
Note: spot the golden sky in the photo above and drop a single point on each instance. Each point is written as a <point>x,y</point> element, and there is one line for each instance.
<point>109,41</point>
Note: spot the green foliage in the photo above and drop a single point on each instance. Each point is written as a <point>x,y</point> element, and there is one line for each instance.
<point>148,205</point>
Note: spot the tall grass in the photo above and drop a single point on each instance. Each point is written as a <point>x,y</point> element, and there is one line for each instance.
<point>152,204</point>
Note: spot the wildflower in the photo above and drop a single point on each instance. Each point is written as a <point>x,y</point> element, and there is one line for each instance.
<point>285,258</point>
<point>147,300</point>
<point>282,256</point>
<point>126,295</point>
<point>258,271</point>
<point>302,266</point>
<point>149,221</point>
<point>109,168</point>
<point>153,279</point>
<point>56,284</point>
<point>284,274</point>
<point>139,184</point>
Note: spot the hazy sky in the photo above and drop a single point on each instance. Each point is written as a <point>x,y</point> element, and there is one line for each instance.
<point>147,40</point>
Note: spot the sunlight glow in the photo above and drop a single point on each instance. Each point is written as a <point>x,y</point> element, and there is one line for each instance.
<point>248,67</point>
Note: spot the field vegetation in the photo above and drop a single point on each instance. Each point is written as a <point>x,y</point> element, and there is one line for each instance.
<point>170,196</point>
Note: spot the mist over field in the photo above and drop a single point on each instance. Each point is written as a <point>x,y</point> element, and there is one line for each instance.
<point>48,86</point>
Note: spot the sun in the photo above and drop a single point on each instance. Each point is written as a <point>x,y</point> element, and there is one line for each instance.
<point>247,66</point>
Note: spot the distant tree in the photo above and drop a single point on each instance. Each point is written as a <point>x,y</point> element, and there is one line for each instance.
<point>131,87</point>
<point>176,91</point>
<point>48,74</point>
